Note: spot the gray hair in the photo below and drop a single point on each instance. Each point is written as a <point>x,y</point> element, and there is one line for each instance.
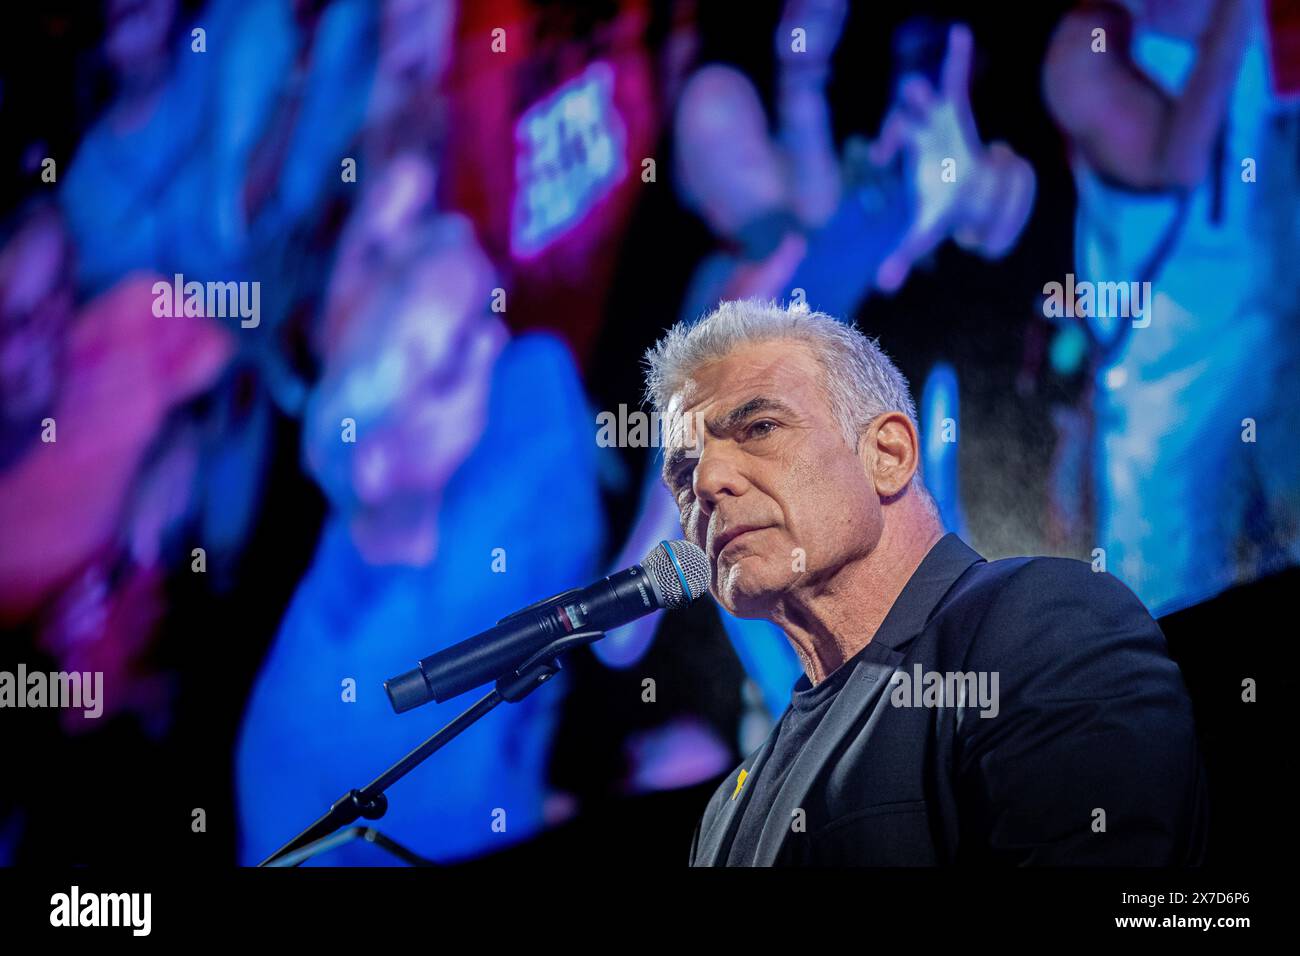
<point>861,383</point>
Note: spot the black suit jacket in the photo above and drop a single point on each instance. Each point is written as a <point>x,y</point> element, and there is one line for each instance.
<point>1092,716</point>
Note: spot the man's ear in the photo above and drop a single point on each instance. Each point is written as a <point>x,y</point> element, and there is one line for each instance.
<point>890,451</point>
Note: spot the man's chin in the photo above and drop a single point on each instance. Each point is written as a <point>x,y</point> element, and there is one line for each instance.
<point>745,592</point>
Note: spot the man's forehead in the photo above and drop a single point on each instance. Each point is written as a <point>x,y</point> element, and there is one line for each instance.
<point>782,373</point>
<point>783,367</point>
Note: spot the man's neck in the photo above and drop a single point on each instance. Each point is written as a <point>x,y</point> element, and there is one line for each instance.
<point>829,621</point>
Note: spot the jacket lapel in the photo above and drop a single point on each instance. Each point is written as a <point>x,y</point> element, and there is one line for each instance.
<point>715,839</point>
<point>864,696</point>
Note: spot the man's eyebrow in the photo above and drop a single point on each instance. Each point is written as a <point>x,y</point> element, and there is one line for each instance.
<point>760,403</point>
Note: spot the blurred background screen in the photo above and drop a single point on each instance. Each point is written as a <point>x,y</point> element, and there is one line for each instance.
<point>321,325</point>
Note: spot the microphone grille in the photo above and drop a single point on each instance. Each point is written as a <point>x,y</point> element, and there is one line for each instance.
<point>680,571</point>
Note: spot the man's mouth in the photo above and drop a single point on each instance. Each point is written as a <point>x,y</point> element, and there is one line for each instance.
<point>731,534</point>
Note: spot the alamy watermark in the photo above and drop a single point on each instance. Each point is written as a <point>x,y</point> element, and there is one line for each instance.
<point>63,689</point>
<point>218,300</point>
<point>638,429</point>
<point>1102,300</point>
<point>924,688</point>
<point>75,908</point>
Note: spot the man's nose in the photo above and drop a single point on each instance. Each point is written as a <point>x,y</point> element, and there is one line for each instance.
<point>718,474</point>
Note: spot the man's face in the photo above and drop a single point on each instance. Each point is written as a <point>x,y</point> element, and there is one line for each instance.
<point>415,379</point>
<point>776,497</point>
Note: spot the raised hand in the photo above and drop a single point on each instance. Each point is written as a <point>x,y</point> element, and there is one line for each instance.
<point>932,127</point>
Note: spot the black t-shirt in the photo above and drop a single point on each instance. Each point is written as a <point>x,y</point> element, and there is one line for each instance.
<point>808,706</point>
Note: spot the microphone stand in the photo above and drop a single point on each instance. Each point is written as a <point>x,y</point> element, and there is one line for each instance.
<point>370,801</point>
<point>368,834</point>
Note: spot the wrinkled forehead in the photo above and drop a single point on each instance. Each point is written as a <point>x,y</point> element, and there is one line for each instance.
<point>779,369</point>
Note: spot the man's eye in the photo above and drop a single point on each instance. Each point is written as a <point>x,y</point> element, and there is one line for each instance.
<point>760,429</point>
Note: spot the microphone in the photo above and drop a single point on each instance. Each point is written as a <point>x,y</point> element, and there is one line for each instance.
<point>671,576</point>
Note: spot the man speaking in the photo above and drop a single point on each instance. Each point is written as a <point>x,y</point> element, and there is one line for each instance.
<point>952,710</point>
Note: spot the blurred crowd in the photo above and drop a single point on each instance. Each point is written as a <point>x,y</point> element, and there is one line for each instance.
<point>431,197</point>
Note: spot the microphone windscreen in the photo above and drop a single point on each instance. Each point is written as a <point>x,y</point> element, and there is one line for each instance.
<point>680,571</point>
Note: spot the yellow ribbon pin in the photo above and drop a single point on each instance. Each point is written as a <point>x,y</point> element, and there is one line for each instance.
<point>740,782</point>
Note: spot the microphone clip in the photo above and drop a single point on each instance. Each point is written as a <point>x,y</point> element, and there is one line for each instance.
<point>542,666</point>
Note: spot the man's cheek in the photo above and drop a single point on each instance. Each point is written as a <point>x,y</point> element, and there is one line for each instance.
<point>690,522</point>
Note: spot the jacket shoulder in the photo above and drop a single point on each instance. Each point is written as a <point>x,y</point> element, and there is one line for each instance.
<point>1015,613</point>
<point>1088,711</point>
<point>1064,590</point>
<point>1047,585</point>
